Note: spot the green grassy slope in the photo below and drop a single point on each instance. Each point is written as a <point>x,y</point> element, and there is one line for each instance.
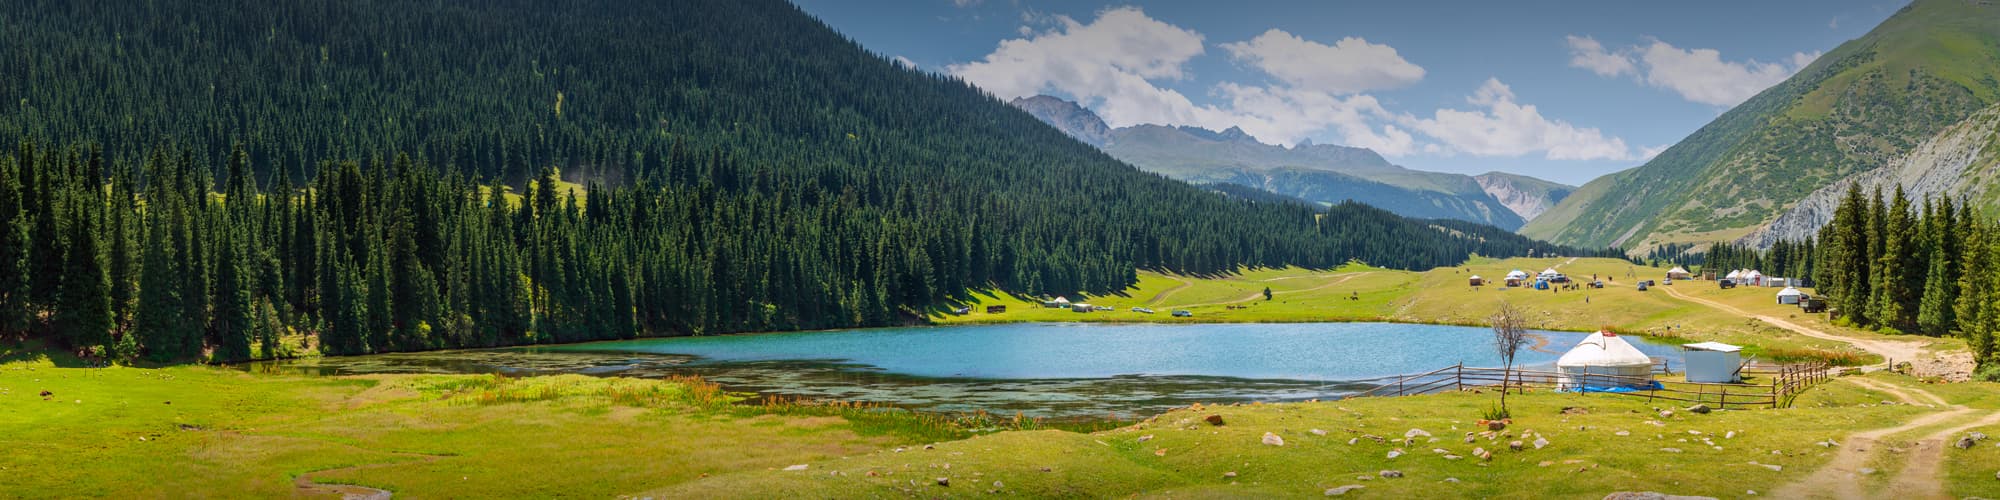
<point>1869,100</point>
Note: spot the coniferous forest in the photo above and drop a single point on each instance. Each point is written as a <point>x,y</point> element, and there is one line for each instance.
<point>194,180</point>
<point>1897,265</point>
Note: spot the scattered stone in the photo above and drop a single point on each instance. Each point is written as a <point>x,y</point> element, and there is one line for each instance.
<point>1701,408</point>
<point>930,447</point>
<point>1867,471</point>
<point>1391,474</point>
<point>1416,433</point>
<point>1469,439</point>
<point>1229,475</point>
<point>1451,480</point>
<point>1575,410</point>
<point>1160,452</point>
<point>1671,450</point>
<point>944,481</point>
<point>796,467</point>
<point>1395,453</point>
<point>1213,419</point>
<point>1773,467</point>
<point>1334,492</point>
<point>1353,440</point>
<point>1541,442</point>
<point>1496,425</point>
<point>997,485</point>
<point>1729,435</point>
<point>1452,457</point>
<point>1482,453</point>
<point>1145,438</point>
<point>1046,469</point>
<point>1965,442</point>
<point>1273,439</point>
<point>1666,414</point>
<point>1545,463</point>
<point>1622,433</point>
<point>1694,432</point>
<point>1317,432</point>
<point>1516,445</point>
<point>46,394</point>
<point>1649,495</point>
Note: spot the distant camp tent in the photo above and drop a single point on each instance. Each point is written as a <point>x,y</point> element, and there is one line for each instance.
<point>1603,361</point>
<point>1516,277</point>
<point>1549,273</point>
<point>1477,281</point>
<point>1713,362</point>
<point>1678,273</point>
<point>1734,274</point>
<point>1753,278</point>
<point>1790,296</point>
<point>1060,303</point>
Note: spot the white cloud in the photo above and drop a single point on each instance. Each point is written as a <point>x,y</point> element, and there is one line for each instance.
<point>966,3</point>
<point>1503,127</point>
<point>1113,65</point>
<point>1698,75</point>
<point>1585,52</point>
<point>1648,152</point>
<point>905,61</point>
<point>1349,66</point>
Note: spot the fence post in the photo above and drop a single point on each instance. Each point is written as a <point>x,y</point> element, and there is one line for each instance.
<point>1459,377</point>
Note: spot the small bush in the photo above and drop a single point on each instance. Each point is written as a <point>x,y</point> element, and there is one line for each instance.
<point>1989,373</point>
<point>1496,413</point>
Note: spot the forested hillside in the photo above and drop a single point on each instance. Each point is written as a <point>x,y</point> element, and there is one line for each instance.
<point>1865,103</point>
<point>203,175</point>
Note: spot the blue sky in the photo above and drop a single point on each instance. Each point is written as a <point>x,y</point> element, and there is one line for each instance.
<point>1563,91</point>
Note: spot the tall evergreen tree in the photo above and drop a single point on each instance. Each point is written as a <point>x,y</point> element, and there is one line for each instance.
<point>83,306</point>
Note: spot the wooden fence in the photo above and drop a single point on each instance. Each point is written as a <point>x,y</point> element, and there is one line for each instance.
<point>1786,382</point>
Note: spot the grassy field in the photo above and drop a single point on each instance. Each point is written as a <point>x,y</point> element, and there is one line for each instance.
<point>1442,296</point>
<point>182,431</point>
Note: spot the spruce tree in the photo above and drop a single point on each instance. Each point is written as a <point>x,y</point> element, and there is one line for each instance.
<point>14,316</point>
<point>156,319</point>
<point>232,322</point>
<point>1974,307</point>
<point>83,306</point>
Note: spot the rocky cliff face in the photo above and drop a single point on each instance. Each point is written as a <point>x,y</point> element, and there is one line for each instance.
<point>1526,196</point>
<point>1957,163</point>
<point>1068,117</point>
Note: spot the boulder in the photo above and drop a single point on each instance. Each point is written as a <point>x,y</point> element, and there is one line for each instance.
<point>1516,445</point>
<point>1701,408</point>
<point>1273,439</point>
<point>1334,492</point>
<point>1541,442</point>
<point>1666,414</point>
<point>1496,425</point>
<point>1391,474</point>
<point>1412,433</point>
<point>944,481</point>
<point>1213,419</point>
<point>1965,442</point>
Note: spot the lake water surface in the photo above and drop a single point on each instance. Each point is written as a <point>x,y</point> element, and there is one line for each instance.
<point>1042,369</point>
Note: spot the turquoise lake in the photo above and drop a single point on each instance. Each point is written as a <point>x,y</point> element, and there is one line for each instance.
<point>1041,369</point>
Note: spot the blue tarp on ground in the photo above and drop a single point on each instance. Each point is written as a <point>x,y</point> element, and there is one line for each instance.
<point>1651,386</point>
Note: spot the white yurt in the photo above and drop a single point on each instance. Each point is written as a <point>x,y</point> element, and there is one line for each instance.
<point>1713,362</point>
<point>1790,296</point>
<point>1754,278</point>
<point>1677,273</point>
<point>1550,273</point>
<point>1603,360</point>
<point>1734,274</point>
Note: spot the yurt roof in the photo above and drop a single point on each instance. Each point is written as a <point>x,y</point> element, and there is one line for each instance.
<point>1603,349</point>
<point>1677,270</point>
<point>1475,276</point>
<point>1061,300</point>
<point>1734,274</point>
<point>1752,274</point>
<point>1549,271</point>
<point>1517,274</point>
<point>1711,346</point>
<point>1790,291</point>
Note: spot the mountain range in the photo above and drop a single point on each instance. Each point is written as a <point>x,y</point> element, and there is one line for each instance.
<point>1901,103</point>
<point>1318,173</point>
